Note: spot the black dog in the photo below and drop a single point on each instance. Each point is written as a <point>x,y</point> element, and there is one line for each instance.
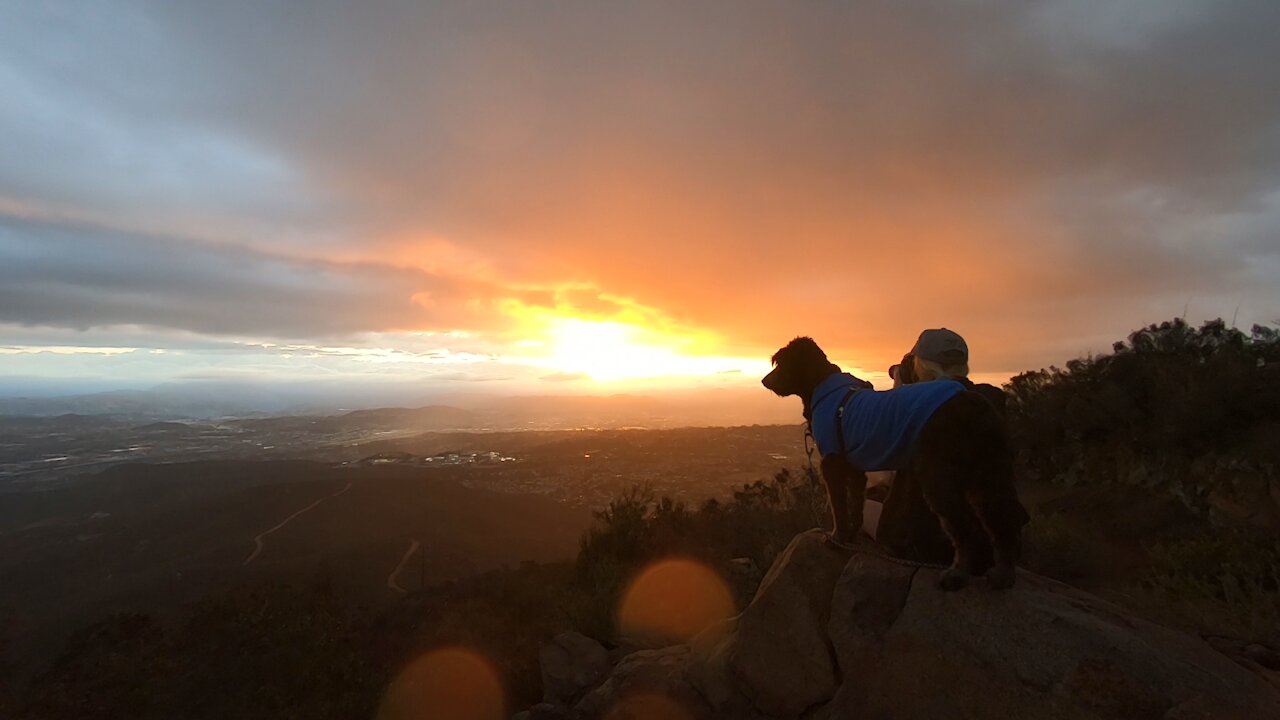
<point>950,439</point>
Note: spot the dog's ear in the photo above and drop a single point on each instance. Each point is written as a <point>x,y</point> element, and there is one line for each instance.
<point>803,352</point>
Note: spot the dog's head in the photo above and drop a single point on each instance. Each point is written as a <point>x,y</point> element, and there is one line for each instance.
<point>797,368</point>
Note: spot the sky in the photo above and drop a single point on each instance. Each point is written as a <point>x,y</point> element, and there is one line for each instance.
<point>576,197</point>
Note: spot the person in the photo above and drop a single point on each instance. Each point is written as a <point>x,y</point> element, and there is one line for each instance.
<point>943,353</point>
<point>895,513</point>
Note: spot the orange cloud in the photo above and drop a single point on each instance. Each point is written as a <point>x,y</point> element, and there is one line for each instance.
<point>705,180</point>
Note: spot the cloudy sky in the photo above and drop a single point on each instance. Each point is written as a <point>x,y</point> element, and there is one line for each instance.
<point>575,196</point>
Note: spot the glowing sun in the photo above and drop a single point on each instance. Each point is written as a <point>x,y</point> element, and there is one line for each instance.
<point>608,351</point>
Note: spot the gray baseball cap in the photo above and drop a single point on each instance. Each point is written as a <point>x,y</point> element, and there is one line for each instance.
<point>942,346</point>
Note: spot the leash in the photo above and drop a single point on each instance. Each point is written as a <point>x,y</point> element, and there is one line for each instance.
<point>898,560</point>
<point>857,549</point>
<point>809,443</point>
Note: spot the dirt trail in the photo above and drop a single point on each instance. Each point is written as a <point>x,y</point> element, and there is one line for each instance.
<point>393,580</point>
<point>258,545</point>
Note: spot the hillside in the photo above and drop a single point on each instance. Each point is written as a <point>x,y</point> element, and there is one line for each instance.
<point>141,537</point>
<point>1146,472</point>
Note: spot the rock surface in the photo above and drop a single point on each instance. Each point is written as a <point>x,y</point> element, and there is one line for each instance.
<point>545,711</point>
<point>782,653</point>
<point>647,684</point>
<point>1042,649</point>
<point>837,635</point>
<point>571,664</point>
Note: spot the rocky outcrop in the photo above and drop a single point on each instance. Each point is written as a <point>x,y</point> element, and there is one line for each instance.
<point>647,684</point>
<point>832,634</point>
<point>782,654</point>
<point>571,664</point>
<point>1042,649</point>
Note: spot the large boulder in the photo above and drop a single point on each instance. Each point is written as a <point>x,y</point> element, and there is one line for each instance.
<point>571,664</point>
<point>833,635</point>
<point>1041,649</point>
<point>647,684</point>
<point>710,673</point>
<point>782,657</point>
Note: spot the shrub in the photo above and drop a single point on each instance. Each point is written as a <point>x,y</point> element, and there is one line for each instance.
<point>637,528</point>
<point>1233,575</point>
<point>1063,550</point>
<point>1146,413</point>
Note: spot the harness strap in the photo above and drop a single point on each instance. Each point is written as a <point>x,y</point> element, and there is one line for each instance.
<point>840,419</point>
<point>809,444</point>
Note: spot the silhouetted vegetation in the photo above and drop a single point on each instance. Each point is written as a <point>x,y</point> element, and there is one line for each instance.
<point>1168,409</point>
<point>1176,411</point>
<point>1234,573</point>
<point>270,652</point>
<point>637,528</point>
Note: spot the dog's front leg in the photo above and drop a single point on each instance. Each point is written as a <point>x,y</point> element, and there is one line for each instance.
<point>842,480</point>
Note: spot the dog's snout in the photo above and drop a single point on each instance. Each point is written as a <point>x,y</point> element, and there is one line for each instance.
<point>772,381</point>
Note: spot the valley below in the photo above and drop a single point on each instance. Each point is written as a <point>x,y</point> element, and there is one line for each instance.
<point>375,512</point>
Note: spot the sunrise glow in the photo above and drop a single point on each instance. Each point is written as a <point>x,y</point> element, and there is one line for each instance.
<point>662,217</point>
<point>611,351</point>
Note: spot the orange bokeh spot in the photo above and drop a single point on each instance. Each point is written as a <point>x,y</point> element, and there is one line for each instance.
<point>445,684</point>
<point>648,706</point>
<point>673,600</point>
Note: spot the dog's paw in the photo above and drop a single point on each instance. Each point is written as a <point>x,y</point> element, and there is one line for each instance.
<point>1002,576</point>
<point>953,579</point>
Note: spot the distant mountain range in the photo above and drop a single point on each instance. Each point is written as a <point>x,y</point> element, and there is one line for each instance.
<point>291,409</point>
<point>432,417</point>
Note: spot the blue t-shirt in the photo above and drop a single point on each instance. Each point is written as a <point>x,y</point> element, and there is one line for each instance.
<point>879,426</point>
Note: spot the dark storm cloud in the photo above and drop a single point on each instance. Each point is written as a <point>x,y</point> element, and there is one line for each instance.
<point>1044,174</point>
<point>83,277</point>
<point>474,98</point>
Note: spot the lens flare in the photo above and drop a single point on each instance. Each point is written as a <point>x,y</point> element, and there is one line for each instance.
<point>445,684</point>
<point>648,706</point>
<point>673,600</point>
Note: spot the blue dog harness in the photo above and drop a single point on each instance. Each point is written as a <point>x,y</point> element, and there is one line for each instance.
<point>873,429</point>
